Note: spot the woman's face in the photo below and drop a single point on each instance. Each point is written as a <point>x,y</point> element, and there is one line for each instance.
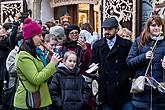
<point>155,29</point>
<point>70,61</point>
<point>73,35</point>
<point>37,39</point>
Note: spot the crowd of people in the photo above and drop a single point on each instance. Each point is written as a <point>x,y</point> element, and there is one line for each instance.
<point>44,66</point>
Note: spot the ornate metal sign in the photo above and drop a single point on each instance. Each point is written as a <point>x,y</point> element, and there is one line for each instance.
<point>57,3</point>
<point>121,9</point>
<point>9,9</point>
<point>160,8</point>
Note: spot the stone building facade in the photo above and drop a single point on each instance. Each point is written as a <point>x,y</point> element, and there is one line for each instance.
<point>130,13</point>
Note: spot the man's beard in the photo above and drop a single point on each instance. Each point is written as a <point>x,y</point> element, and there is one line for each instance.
<point>109,36</point>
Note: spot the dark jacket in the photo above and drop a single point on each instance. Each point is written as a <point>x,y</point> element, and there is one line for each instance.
<point>6,45</point>
<point>68,90</point>
<point>83,55</point>
<point>136,59</point>
<point>113,79</point>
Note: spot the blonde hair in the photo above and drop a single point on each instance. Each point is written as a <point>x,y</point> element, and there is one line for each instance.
<point>125,32</point>
<point>67,54</point>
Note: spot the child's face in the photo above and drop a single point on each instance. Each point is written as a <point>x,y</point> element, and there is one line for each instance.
<point>52,44</point>
<point>70,62</point>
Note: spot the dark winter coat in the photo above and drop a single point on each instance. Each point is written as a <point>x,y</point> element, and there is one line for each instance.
<point>68,90</point>
<point>136,60</point>
<point>6,45</point>
<point>113,80</point>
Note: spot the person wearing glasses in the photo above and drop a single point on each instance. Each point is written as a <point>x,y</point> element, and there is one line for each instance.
<point>77,44</point>
<point>138,59</point>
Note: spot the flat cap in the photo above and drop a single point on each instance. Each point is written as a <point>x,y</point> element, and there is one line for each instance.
<point>110,23</point>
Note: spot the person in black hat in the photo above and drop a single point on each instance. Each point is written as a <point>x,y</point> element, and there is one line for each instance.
<point>77,43</point>
<point>110,54</point>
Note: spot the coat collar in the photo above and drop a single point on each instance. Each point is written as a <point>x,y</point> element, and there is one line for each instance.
<point>119,41</point>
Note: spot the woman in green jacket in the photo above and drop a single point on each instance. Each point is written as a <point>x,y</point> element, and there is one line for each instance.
<point>31,67</point>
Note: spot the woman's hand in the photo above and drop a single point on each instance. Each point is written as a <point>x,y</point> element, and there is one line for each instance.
<point>82,43</point>
<point>163,63</point>
<point>55,59</point>
<point>17,17</point>
<point>149,55</point>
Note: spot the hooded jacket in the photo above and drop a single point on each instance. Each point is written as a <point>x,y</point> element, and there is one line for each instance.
<point>68,89</point>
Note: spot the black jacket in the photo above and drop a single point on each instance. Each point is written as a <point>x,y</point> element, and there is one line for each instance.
<point>114,84</point>
<point>68,90</point>
<point>137,59</point>
<point>6,45</point>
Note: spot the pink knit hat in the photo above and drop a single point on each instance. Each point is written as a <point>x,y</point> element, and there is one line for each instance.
<point>30,29</point>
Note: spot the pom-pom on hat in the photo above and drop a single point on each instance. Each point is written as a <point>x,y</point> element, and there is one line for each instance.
<point>30,29</point>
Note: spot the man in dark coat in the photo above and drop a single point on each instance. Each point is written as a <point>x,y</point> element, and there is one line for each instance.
<point>7,43</point>
<point>111,52</point>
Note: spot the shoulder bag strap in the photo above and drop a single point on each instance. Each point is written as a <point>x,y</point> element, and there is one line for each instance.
<point>151,58</point>
<point>24,85</point>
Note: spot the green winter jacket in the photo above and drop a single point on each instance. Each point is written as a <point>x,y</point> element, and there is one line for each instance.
<point>33,74</point>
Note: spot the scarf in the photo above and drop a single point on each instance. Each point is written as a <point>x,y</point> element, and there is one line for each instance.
<point>41,56</point>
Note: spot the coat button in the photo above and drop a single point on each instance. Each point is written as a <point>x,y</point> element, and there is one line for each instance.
<point>117,83</point>
<point>116,72</point>
<point>116,61</point>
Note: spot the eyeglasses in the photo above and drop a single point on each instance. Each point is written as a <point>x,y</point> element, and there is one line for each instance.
<point>72,33</point>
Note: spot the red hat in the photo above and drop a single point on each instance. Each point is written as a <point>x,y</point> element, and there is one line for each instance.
<point>30,29</point>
